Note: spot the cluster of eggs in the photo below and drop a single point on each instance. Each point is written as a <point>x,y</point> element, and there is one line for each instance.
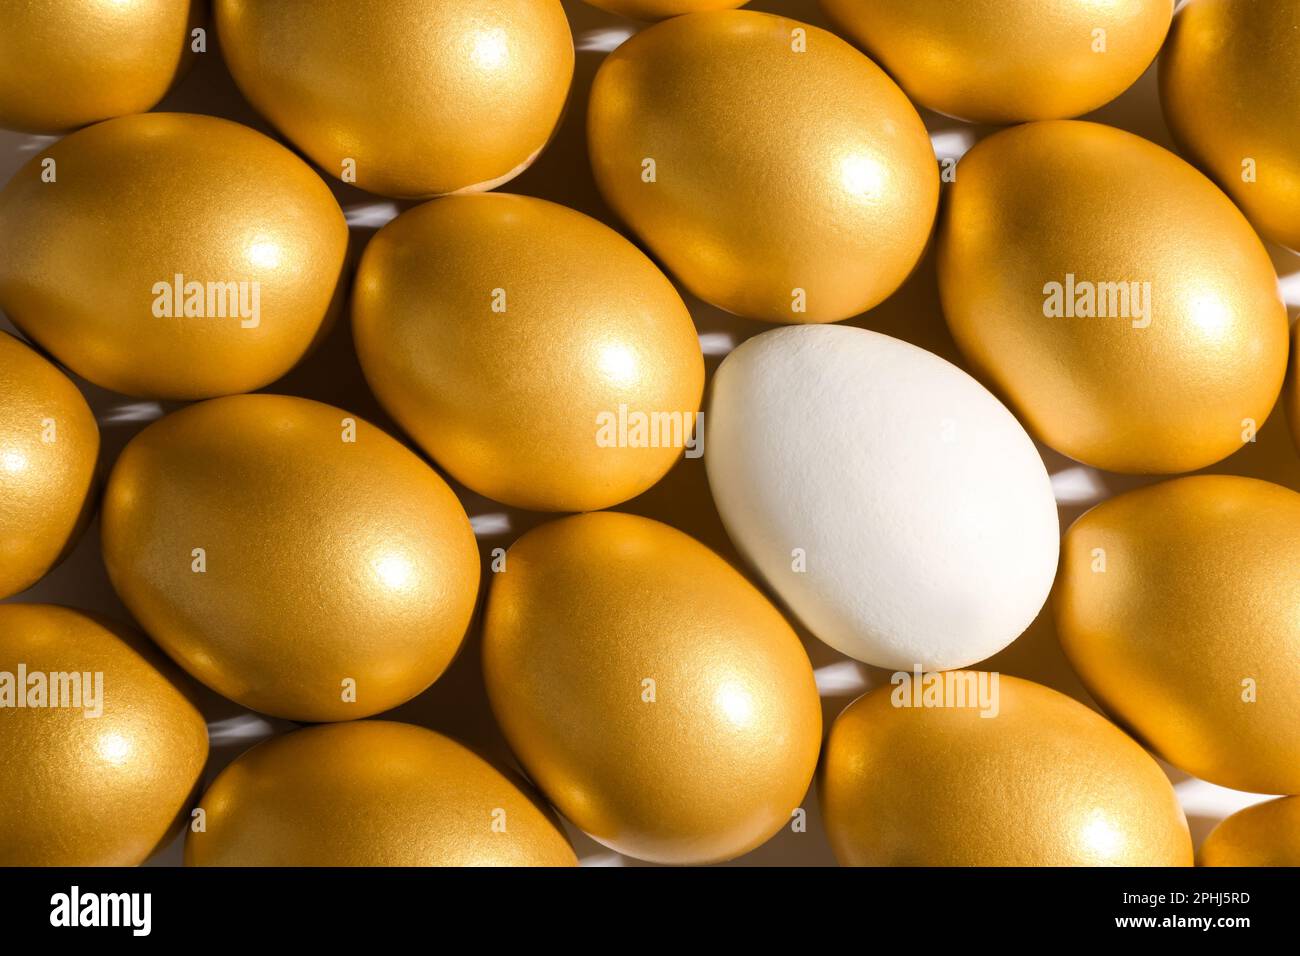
<point>1110,300</point>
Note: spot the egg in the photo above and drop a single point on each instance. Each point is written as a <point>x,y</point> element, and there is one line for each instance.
<point>1266,834</point>
<point>659,701</point>
<point>291,556</point>
<point>66,63</point>
<point>170,256</point>
<point>774,170</point>
<point>102,750</point>
<point>404,97</point>
<point>897,508</point>
<point>49,446</point>
<point>1007,61</point>
<point>970,768</point>
<point>534,352</point>
<point>1177,607</point>
<point>661,9</point>
<point>1230,89</point>
<point>1293,387</point>
<point>297,799</point>
<point>1112,295</point>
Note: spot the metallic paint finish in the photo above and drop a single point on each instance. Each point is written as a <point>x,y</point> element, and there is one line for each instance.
<point>656,697</point>
<point>1037,204</point>
<point>1191,635</point>
<point>1266,834</point>
<point>662,9</point>
<point>1045,782</point>
<point>789,170</point>
<point>508,401</point>
<point>324,560</point>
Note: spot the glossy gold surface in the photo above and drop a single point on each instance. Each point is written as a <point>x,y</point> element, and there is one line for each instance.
<point>372,793</point>
<point>1178,378</point>
<point>1043,782</point>
<point>82,790</point>
<point>655,696</point>
<point>1190,635</point>
<point>423,98</point>
<point>89,262</point>
<point>49,446</point>
<point>1266,834</point>
<point>328,566</point>
<point>498,330</point>
<point>773,169</point>
<point>66,63</point>
<point>1230,88</point>
<point>661,9</point>
<point>1007,61</point>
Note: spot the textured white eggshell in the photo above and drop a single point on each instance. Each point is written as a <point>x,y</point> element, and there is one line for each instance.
<point>924,510</point>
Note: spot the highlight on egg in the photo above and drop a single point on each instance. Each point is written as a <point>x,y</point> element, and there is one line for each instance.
<point>171,255</point>
<point>773,169</point>
<point>1265,834</point>
<point>661,703</point>
<point>291,556</point>
<point>532,351</point>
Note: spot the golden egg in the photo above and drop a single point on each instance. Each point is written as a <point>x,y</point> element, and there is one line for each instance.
<point>1176,604</point>
<point>291,556</point>
<point>662,9</point>
<point>1230,88</point>
<point>968,768</point>
<point>1007,61</point>
<point>1293,386</point>
<point>1115,298</point>
<point>101,751</point>
<point>772,168</point>
<point>655,696</point>
<point>1266,834</point>
<point>66,63</point>
<point>170,256</point>
<point>535,353</point>
<point>49,445</point>
<point>372,793</point>
<point>405,97</point>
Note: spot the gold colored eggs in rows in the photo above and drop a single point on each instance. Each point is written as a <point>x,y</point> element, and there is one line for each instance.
<point>292,557</point>
<point>967,768</point>
<point>49,444</point>
<point>1117,299</point>
<point>655,696</point>
<point>372,793</point>
<point>405,97</point>
<point>1177,606</point>
<point>661,9</point>
<point>169,255</point>
<point>773,169</point>
<point>101,751</point>
<point>522,345</point>
<point>1266,834</point>
<point>66,63</point>
<point>1230,88</point>
<point>1007,61</point>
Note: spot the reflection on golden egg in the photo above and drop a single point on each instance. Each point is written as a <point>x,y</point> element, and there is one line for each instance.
<point>372,793</point>
<point>66,63</point>
<point>772,168</point>
<point>1176,604</point>
<point>102,756</point>
<point>1230,88</point>
<point>1266,834</point>
<point>404,97</point>
<point>291,556</point>
<point>49,445</point>
<point>1118,300</point>
<point>655,696</point>
<point>535,353</point>
<point>967,768</point>
<point>170,256</point>
<point>1007,61</point>
<point>661,9</point>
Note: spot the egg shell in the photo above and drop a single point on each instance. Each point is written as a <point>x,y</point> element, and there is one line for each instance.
<point>1293,386</point>
<point>656,697</point>
<point>1042,781</point>
<point>289,554</point>
<point>662,9</point>
<point>502,333</point>
<point>897,508</point>
<point>1177,607</point>
<point>1266,834</point>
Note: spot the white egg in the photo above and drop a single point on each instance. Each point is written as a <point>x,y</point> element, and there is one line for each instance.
<point>890,500</point>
